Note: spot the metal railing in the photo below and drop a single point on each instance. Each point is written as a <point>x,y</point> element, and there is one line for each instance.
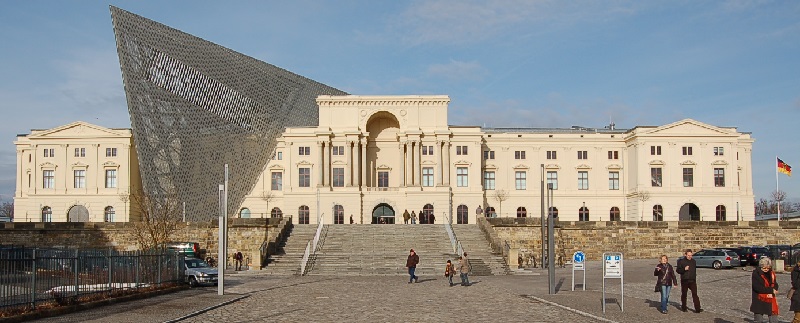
<point>31,277</point>
<point>311,247</point>
<point>448,226</point>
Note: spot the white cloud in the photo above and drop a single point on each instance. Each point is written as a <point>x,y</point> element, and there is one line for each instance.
<point>458,71</point>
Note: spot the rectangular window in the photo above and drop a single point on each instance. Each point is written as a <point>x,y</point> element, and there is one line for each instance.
<point>111,152</point>
<point>488,180</point>
<point>655,176</point>
<point>338,150</point>
<point>383,179</point>
<point>688,177</point>
<point>583,180</point>
<point>304,151</point>
<point>613,154</point>
<point>655,150</point>
<point>551,154</point>
<point>430,150</point>
<point>280,155</point>
<point>48,179</point>
<point>427,150</point>
<point>80,152</point>
<point>583,154</point>
<point>552,180</point>
<point>304,177</point>
<point>719,177</point>
<point>462,177</point>
<point>79,176</point>
<point>338,177</point>
<point>277,181</point>
<point>488,154</point>
<point>461,150</point>
<point>49,152</point>
<point>520,154</point>
<point>520,180</point>
<point>613,180</point>
<point>427,176</point>
<point>687,151</point>
<point>111,178</point>
<point>719,151</point>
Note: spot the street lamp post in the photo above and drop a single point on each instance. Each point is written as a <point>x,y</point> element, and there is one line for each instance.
<point>223,234</point>
<point>551,270</point>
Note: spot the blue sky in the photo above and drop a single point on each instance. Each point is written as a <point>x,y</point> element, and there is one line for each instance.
<point>503,63</point>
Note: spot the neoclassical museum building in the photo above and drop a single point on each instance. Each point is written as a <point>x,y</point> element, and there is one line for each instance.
<point>371,158</point>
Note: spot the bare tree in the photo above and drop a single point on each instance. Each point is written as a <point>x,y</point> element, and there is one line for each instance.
<point>7,210</point>
<point>643,196</point>
<point>500,196</point>
<point>267,196</point>
<point>159,218</point>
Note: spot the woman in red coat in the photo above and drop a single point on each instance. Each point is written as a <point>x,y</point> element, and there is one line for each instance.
<point>765,287</point>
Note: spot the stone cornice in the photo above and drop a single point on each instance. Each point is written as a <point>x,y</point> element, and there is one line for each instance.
<point>382,101</point>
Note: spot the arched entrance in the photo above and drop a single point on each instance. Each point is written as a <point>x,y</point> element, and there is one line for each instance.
<point>383,214</point>
<point>689,212</point>
<point>462,214</point>
<point>78,213</point>
<point>427,216</point>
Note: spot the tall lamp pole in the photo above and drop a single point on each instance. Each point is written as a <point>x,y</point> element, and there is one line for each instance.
<point>223,234</point>
<point>551,270</point>
<point>541,260</point>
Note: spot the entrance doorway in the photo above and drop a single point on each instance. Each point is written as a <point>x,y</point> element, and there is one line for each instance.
<point>383,214</point>
<point>78,213</point>
<point>689,212</point>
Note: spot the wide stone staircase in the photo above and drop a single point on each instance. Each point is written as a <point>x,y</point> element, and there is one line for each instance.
<point>290,251</point>
<point>483,260</point>
<point>370,250</point>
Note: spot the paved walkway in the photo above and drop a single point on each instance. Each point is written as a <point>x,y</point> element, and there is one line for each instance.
<point>724,294</point>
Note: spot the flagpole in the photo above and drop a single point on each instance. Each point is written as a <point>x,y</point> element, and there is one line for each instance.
<point>777,188</point>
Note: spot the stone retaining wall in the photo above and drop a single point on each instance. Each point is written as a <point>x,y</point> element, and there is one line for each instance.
<point>245,235</point>
<point>641,240</point>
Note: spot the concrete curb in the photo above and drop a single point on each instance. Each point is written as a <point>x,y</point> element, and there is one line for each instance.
<point>579,312</point>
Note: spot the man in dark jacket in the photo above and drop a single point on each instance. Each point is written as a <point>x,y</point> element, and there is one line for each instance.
<point>687,268</point>
<point>411,264</point>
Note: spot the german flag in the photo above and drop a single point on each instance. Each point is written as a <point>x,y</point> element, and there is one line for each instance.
<point>784,167</point>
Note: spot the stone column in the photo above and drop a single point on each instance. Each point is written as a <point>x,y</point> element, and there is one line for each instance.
<point>364,180</point>
<point>357,162</point>
<point>408,163</point>
<point>418,173</point>
<point>320,167</point>
<point>401,147</point>
<point>348,157</point>
<point>446,156</point>
<point>287,184</point>
<point>328,164</point>
<point>440,173</point>
<point>414,162</point>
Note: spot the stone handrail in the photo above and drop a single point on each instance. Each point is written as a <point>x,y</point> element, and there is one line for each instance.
<point>491,236</point>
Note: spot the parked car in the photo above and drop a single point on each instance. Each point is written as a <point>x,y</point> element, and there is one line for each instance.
<point>716,258</point>
<point>198,272</point>
<point>778,251</point>
<point>188,249</point>
<point>749,255</point>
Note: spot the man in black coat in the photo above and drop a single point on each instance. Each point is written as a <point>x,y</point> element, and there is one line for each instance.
<point>687,268</point>
<point>411,264</point>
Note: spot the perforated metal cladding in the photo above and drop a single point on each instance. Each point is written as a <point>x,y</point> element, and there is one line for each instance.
<point>195,106</point>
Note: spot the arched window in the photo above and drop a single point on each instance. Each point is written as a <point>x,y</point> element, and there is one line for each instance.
<point>427,214</point>
<point>109,214</point>
<point>522,212</point>
<point>721,213</point>
<point>338,214</point>
<point>553,212</point>
<point>583,214</point>
<point>244,213</point>
<point>613,215</point>
<point>276,213</point>
<point>490,212</point>
<point>302,215</point>
<point>658,213</point>
<point>47,214</point>
<point>462,214</point>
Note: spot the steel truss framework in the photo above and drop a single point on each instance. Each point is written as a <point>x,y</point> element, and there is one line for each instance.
<point>196,106</point>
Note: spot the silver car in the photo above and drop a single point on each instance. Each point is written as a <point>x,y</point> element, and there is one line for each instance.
<point>198,272</point>
<point>716,258</point>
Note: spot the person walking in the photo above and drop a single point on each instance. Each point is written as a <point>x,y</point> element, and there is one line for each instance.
<point>237,259</point>
<point>666,279</point>
<point>351,218</point>
<point>411,264</point>
<point>413,218</point>
<point>449,270</point>
<point>765,288</point>
<point>464,269</point>
<point>432,218</point>
<point>406,216</point>
<point>794,296</point>
<point>687,268</point>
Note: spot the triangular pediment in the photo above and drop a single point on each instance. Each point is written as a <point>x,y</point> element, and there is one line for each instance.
<point>79,129</point>
<point>689,128</point>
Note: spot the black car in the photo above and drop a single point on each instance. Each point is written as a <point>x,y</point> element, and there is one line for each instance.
<point>778,251</point>
<point>750,255</point>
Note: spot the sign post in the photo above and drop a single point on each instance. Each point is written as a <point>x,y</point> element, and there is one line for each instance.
<point>578,263</point>
<point>612,269</point>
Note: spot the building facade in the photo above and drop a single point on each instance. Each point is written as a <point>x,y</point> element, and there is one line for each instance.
<point>78,172</point>
<point>371,158</point>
